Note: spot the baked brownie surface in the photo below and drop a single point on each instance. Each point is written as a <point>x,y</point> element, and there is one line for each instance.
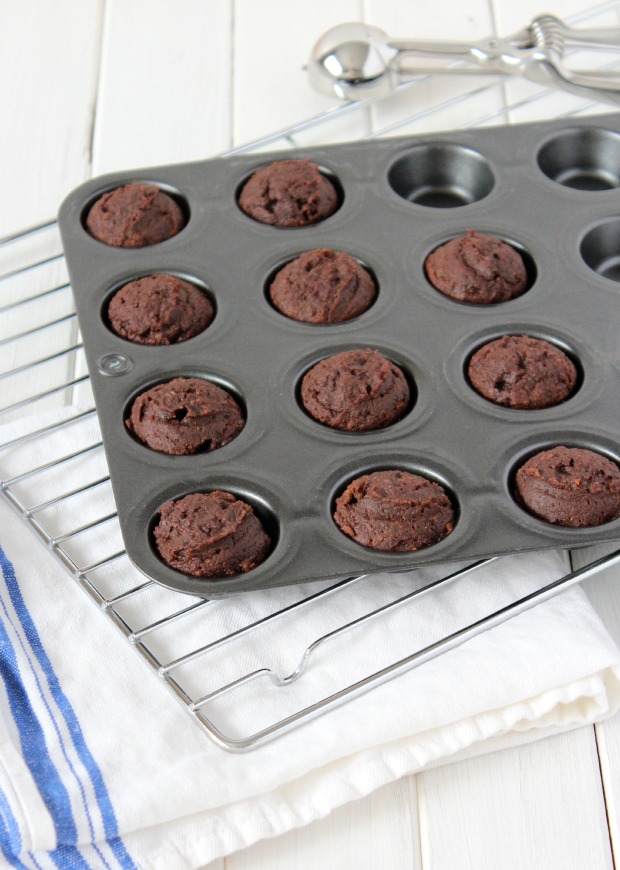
<point>323,286</point>
<point>356,390</point>
<point>478,269</point>
<point>134,216</point>
<point>288,193</point>
<point>185,415</point>
<point>158,310</point>
<point>522,372</point>
<point>570,486</point>
<point>394,511</point>
<point>210,535</point>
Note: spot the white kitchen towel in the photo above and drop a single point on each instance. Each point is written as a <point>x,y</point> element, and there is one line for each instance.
<point>99,765</point>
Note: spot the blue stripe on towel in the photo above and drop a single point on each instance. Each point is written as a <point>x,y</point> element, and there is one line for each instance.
<point>58,734</point>
<point>10,837</point>
<point>101,793</point>
<point>34,748</point>
<point>69,858</point>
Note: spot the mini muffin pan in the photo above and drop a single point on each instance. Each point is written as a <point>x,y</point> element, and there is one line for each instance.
<point>550,190</point>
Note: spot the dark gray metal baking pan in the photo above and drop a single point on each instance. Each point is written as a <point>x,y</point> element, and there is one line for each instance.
<point>551,190</point>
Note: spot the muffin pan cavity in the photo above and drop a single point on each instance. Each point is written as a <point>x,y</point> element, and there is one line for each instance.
<point>262,516</point>
<point>522,372</point>
<point>600,248</point>
<point>135,214</point>
<point>395,510</point>
<point>322,287</point>
<point>441,175</point>
<point>159,309</point>
<point>480,268</point>
<point>356,391</point>
<point>186,415</point>
<point>399,200</point>
<point>561,452</point>
<point>290,193</point>
<point>585,159</point>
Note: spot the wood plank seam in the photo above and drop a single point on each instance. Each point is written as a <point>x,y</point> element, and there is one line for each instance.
<point>72,361</point>
<point>600,763</point>
<point>97,82</point>
<point>601,767</point>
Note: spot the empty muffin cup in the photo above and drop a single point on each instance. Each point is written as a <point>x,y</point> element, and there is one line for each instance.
<point>584,159</point>
<point>600,248</point>
<point>441,175</point>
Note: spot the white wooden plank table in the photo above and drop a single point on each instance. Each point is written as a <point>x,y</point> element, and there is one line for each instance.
<point>91,86</point>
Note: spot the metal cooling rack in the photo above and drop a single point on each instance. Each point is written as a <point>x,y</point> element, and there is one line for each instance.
<point>30,263</point>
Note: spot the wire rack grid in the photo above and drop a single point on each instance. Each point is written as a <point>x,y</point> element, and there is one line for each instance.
<point>64,496</point>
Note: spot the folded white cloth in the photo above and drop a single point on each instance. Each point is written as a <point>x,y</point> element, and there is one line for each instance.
<point>100,766</point>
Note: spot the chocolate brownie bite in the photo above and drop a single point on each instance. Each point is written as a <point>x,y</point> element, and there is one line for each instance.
<point>210,534</point>
<point>394,511</point>
<point>288,193</point>
<point>184,416</point>
<point>570,486</point>
<point>159,310</point>
<point>135,216</point>
<point>356,391</point>
<point>477,269</point>
<point>323,287</point>
<point>522,372</point>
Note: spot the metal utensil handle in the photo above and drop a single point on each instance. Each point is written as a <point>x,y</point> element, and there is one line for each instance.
<point>356,60</point>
